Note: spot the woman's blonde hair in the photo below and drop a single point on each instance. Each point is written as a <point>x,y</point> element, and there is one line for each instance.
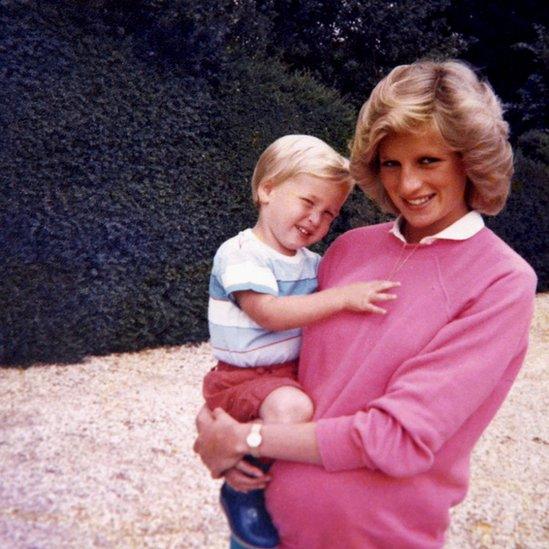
<point>292,155</point>
<point>465,110</point>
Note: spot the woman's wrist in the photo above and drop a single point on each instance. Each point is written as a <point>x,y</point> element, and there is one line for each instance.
<point>240,433</point>
<point>290,442</point>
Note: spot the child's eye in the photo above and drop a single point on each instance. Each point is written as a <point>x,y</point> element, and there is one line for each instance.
<point>329,214</point>
<point>307,201</point>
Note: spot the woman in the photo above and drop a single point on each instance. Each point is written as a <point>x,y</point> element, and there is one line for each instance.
<point>401,399</point>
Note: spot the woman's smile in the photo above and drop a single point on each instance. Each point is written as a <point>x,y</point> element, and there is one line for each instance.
<point>419,202</point>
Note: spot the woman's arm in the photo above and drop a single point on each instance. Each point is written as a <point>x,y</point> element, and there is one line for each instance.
<point>221,441</point>
<point>461,376</point>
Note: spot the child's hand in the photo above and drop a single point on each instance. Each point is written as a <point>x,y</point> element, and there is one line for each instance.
<point>245,477</point>
<point>359,297</point>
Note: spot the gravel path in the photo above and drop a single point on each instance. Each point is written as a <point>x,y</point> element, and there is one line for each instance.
<point>98,454</point>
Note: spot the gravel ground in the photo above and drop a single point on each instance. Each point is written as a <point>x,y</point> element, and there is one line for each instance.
<point>98,454</point>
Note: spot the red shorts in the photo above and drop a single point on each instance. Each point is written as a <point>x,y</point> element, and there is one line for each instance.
<point>241,391</point>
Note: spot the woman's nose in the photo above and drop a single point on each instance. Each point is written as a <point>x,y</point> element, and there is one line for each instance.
<point>409,181</point>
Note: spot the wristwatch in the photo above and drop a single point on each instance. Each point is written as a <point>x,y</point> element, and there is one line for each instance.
<point>254,439</point>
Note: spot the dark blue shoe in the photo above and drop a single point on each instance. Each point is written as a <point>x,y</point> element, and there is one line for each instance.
<point>250,524</point>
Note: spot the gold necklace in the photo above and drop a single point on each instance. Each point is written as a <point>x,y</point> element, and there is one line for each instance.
<point>401,261</point>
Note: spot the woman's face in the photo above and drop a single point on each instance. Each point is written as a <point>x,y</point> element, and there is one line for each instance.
<point>425,180</point>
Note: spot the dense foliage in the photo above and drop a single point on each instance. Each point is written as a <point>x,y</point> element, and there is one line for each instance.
<point>121,176</point>
<point>351,45</point>
<point>524,222</point>
<point>130,129</point>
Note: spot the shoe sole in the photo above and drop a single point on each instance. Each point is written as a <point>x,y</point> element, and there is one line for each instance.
<point>246,545</point>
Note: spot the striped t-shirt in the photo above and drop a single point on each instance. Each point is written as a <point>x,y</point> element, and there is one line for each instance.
<point>245,263</point>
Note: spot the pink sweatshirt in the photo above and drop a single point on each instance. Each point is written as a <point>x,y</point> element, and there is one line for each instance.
<point>402,398</point>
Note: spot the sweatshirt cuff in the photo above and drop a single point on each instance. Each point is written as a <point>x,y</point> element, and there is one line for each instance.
<point>340,444</point>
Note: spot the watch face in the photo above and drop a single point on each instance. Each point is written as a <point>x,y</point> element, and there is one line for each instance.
<point>253,440</point>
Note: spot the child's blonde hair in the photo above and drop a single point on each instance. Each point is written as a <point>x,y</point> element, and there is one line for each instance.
<point>465,110</point>
<point>291,155</point>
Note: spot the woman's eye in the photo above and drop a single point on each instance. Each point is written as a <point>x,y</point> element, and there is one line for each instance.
<point>389,163</point>
<point>428,160</point>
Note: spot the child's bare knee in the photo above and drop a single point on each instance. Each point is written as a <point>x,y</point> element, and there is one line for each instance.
<point>287,405</point>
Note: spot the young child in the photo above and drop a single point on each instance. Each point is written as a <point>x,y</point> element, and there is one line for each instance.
<point>262,291</point>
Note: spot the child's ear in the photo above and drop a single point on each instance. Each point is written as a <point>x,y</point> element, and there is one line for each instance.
<point>264,191</point>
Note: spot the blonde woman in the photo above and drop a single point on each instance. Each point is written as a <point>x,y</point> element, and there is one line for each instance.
<point>401,399</point>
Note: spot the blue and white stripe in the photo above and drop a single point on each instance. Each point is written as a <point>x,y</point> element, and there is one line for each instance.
<point>245,263</point>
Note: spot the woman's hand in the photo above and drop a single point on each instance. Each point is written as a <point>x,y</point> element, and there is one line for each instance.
<point>221,441</point>
<point>245,477</point>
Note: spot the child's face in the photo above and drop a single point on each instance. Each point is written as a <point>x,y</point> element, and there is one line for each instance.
<point>298,212</point>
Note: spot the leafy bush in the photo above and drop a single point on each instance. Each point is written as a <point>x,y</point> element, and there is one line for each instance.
<point>524,223</point>
<point>127,145</point>
<point>120,177</point>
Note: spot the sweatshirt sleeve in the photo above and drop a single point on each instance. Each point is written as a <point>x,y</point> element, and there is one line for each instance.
<point>432,394</point>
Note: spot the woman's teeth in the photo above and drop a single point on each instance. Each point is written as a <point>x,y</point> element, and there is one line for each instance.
<point>419,201</point>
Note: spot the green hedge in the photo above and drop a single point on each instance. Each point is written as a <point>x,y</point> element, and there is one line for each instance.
<point>120,177</point>
<point>122,171</point>
<point>524,222</point>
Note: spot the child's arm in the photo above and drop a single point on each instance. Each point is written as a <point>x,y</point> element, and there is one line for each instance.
<point>294,311</point>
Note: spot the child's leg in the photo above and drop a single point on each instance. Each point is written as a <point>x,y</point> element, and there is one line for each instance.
<point>286,405</point>
<point>241,392</point>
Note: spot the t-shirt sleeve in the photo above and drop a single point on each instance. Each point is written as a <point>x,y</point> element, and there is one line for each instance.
<point>236,270</point>
<point>431,395</point>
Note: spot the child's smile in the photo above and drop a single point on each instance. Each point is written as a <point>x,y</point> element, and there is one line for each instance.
<point>298,212</point>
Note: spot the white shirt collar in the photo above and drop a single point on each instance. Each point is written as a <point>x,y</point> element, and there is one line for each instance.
<point>462,229</point>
